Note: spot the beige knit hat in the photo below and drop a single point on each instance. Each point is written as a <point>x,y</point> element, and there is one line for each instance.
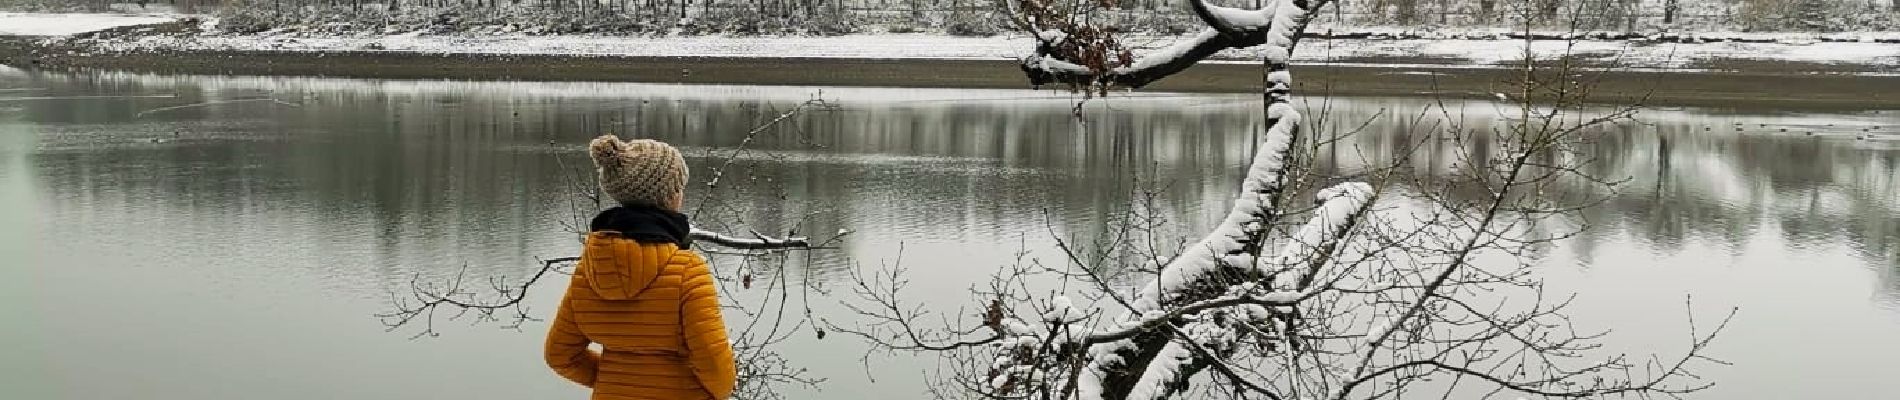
<point>640,172</point>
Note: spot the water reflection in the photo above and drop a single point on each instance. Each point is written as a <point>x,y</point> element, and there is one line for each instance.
<point>358,186</point>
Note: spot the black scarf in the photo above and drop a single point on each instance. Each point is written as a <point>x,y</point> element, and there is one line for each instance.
<point>645,224</point>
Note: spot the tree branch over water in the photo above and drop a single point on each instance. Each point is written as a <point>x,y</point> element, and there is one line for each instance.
<point>1392,285</point>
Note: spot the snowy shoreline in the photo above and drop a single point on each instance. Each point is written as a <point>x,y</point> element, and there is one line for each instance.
<point>1860,53</point>
<point>1809,72</point>
<point>1841,57</point>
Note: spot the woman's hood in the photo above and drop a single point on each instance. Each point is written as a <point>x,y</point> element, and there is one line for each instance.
<point>619,268</point>
<point>629,246</point>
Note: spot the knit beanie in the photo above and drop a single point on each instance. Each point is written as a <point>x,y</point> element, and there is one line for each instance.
<point>641,172</point>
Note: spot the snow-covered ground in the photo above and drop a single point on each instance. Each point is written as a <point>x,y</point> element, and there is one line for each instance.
<point>1436,52</point>
<point>36,24</point>
<point>1463,49</point>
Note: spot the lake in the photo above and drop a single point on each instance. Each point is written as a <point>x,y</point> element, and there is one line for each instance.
<point>202,237</point>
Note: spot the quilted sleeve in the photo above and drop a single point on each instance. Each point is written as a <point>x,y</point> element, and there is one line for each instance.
<point>705,331</point>
<point>566,349</point>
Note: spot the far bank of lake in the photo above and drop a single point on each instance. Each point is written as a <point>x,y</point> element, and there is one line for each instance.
<point>1720,82</point>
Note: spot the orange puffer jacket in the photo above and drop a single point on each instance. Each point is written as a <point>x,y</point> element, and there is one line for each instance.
<point>654,310</point>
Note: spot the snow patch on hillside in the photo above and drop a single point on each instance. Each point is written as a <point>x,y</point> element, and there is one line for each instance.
<point>36,24</point>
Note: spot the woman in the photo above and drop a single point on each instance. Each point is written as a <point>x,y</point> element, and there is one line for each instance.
<point>640,291</point>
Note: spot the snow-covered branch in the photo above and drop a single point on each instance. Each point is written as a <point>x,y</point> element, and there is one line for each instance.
<point>1231,21</point>
<point>1212,326</point>
<point>1220,257</point>
<point>1155,319</point>
<point>1046,66</point>
<point>1229,252</point>
<point>758,241</point>
<point>1341,207</point>
<point>1276,25</point>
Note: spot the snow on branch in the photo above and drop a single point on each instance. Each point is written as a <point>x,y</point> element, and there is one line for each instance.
<point>1243,297</point>
<point>1312,245</point>
<point>1018,352</point>
<point>1196,346</point>
<point>1157,380</point>
<point>1289,19</point>
<point>1221,254</point>
<point>1225,246</point>
<point>758,241</point>
<point>1230,20</point>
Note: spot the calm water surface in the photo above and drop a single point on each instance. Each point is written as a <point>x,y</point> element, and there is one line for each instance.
<point>239,249</point>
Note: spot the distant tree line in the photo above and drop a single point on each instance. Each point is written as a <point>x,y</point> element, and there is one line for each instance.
<point>971,17</point>
<point>1636,15</point>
